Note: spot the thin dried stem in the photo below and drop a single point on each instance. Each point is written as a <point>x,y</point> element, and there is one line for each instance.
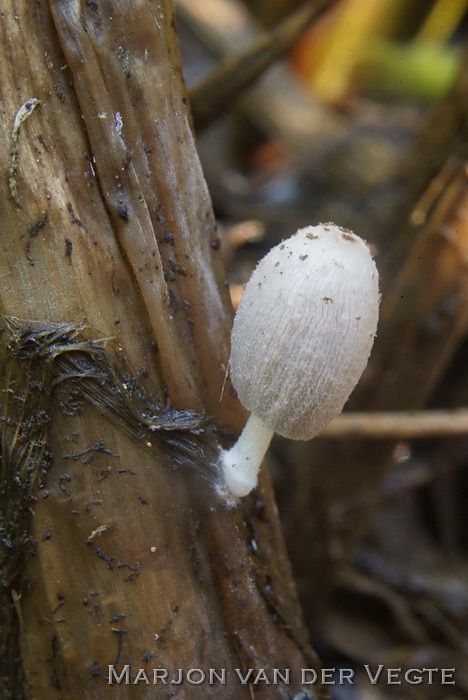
<point>398,424</point>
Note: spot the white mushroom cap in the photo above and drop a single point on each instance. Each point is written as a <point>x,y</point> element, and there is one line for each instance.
<point>304,329</point>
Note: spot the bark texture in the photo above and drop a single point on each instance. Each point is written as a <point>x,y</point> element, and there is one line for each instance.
<point>109,245</point>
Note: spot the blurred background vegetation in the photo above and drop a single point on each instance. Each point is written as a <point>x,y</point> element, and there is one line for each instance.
<point>362,121</point>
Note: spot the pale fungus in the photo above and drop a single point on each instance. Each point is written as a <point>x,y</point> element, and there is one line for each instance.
<point>301,338</point>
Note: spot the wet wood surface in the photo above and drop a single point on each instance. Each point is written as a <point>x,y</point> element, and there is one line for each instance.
<point>107,224</point>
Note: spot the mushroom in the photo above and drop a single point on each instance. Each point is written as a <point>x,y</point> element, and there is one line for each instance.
<point>301,338</point>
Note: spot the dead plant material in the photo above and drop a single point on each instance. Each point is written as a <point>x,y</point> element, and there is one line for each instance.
<point>398,424</point>
<point>37,359</point>
<point>214,95</point>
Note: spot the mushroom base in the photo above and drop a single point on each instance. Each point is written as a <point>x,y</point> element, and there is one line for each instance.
<point>241,464</point>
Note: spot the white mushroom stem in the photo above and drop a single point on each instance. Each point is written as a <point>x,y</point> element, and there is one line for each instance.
<point>242,462</point>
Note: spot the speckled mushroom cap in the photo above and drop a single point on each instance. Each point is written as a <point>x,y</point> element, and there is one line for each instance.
<point>304,329</point>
